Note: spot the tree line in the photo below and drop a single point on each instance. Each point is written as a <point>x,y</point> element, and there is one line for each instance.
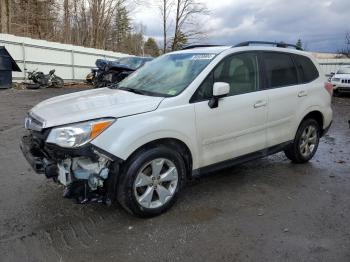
<point>103,24</point>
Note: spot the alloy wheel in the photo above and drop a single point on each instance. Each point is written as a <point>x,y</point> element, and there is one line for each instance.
<point>308,141</point>
<point>156,183</point>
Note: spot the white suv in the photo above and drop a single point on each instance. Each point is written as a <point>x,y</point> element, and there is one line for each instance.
<point>341,80</point>
<point>181,115</point>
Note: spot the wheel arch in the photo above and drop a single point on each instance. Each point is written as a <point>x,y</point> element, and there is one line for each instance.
<point>174,143</point>
<point>314,114</point>
<point>317,115</point>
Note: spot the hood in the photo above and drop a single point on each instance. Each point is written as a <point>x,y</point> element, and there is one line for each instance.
<point>92,104</point>
<point>341,76</point>
<point>121,67</point>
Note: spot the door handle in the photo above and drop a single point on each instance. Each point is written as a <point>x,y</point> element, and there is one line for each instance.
<point>302,93</point>
<point>260,104</point>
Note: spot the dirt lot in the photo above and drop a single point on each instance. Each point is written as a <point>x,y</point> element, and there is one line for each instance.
<point>267,210</point>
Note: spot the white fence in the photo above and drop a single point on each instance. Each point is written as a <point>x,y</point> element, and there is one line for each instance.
<point>332,65</point>
<point>71,62</point>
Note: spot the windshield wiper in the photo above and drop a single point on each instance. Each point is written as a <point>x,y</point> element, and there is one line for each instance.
<point>142,92</point>
<point>132,90</point>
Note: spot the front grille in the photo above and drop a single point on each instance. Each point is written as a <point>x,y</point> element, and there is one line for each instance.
<point>345,81</point>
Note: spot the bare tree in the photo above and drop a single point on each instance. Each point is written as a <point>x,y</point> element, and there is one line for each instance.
<point>104,24</point>
<point>165,7</point>
<point>5,16</point>
<point>66,21</point>
<point>345,51</point>
<point>134,41</point>
<point>101,12</point>
<point>185,26</point>
<point>347,44</point>
<point>34,18</point>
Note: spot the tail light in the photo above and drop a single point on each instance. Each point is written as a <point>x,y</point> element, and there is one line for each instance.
<point>329,88</point>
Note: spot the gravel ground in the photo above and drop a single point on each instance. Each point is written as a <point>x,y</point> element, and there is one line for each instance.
<point>266,210</point>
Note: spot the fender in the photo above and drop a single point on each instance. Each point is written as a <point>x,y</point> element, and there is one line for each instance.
<point>128,134</point>
<point>304,113</point>
<point>163,134</point>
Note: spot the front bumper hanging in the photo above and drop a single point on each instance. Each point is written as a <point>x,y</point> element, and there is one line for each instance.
<point>88,174</point>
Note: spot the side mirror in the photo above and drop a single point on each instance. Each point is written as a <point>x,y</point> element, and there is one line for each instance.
<point>220,90</point>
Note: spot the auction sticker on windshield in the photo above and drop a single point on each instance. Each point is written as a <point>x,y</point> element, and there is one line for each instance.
<point>203,57</point>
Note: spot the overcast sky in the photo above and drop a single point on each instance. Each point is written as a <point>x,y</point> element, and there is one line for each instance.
<point>321,24</point>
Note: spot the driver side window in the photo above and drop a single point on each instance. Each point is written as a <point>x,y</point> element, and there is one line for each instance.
<point>241,71</point>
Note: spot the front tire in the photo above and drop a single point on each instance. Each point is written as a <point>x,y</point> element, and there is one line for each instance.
<point>151,181</point>
<point>336,93</point>
<point>305,143</point>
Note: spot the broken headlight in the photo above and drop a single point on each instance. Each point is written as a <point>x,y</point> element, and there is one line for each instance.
<point>76,135</point>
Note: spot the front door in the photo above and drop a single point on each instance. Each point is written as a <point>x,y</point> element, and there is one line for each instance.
<point>237,126</point>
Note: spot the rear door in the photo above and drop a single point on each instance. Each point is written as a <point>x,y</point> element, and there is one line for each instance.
<point>281,83</point>
<point>311,89</point>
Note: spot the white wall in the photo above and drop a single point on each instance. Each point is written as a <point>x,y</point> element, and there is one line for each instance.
<point>71,62</point>
<point>332,65</point>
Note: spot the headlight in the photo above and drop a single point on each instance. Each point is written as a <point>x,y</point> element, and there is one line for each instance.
<point>335,79</point>
<point>76,135</point>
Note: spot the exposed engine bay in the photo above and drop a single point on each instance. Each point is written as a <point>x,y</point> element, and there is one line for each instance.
<point>87,174</point>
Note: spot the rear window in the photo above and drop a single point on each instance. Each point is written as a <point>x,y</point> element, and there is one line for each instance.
<point>280,70</point>
<point>307,70</point>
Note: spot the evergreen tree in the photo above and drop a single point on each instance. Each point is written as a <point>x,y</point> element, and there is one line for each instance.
<point>151,48</point>
<point>179,41</point>
<point>299,44</point>
<point>122,26</point>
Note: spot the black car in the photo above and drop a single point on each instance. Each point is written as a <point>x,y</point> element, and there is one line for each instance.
<point>112,72</point>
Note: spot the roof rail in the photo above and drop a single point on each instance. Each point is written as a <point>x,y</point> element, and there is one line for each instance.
<point>198,46</point>
<point>281,44</point>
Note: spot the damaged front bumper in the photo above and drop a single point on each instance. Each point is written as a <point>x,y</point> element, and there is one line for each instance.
<point>33,155</point>
<point>87,173</point>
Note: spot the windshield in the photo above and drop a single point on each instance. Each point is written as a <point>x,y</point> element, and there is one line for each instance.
<point>132,62</point>
<point>167,75</point>
<point>345,70</point>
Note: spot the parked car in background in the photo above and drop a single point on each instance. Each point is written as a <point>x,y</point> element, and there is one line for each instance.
<point>112,72</point>
<point>341,80</point>
<point>184,114</point>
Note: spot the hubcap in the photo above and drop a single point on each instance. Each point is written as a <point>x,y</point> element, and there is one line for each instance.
<point>308,141</point>
<point>156,183</point>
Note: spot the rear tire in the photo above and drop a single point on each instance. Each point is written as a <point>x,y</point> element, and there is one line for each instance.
<point>150,181</point>
<point>57,82</point>
<point>305,143</point>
